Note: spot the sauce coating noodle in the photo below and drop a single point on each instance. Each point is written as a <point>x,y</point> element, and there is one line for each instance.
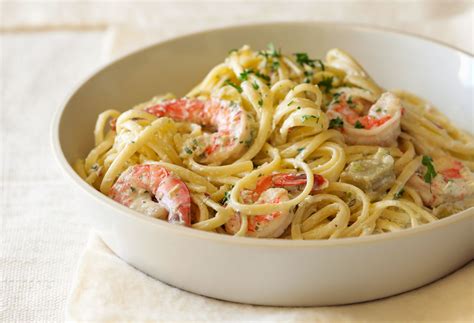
<point>285,146</point>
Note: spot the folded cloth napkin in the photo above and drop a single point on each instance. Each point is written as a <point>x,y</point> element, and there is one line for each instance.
<point>109,290</point>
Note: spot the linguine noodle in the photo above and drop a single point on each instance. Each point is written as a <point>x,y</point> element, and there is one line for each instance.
<point>381,170</point>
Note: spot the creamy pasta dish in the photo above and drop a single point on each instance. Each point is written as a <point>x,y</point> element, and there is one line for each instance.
<point>284,146</point>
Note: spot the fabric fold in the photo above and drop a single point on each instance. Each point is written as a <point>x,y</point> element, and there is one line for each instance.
<point>108,290</point>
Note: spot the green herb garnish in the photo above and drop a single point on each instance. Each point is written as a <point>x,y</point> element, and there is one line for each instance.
<point>399,194</point>
<point>430,170</point>
<point>358,125</point>
<point>255,85</point>
<point>273,51</point>
<point>270,52</point>
<point>188,150</point>
<point>336,123</point>
<point>308,116</point>
<point>326,82</point>
<point>275,65</point>
<point>321,64</point>
<point>260,102</point>
<point>245,74</point>
<point>336,97</point>
<point>300,149</point>
<point>303,59</point>
<point>262,76</point>
<point>238,88</point>
<point>226,198</point>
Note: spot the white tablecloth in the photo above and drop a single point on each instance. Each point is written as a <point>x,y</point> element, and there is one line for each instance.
<point>46,48</point>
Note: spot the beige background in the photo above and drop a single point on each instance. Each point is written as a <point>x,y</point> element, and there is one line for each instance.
<point>46,48</point>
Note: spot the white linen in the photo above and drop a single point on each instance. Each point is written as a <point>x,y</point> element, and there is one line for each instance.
<point>42,230</point>
<point>449,21</point>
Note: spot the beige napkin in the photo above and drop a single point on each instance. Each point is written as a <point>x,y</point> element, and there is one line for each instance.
<point>108,289</point>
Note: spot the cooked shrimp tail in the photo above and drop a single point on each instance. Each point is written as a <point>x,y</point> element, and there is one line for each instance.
<point>153,190</point>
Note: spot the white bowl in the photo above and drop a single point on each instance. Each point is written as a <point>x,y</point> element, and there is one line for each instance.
<point>273,272</point>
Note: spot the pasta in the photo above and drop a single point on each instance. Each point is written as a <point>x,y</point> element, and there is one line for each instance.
<point>285,146</point>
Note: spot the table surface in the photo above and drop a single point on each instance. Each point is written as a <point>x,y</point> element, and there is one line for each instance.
<point>43,231</point>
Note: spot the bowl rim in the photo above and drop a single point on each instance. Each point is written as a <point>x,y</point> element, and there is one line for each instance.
<point>236,240</point>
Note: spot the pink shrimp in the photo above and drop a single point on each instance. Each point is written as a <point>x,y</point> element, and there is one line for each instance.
<point>153,190</point>
<point>377,125</point>
<point>449,181</point>
<point>235,127</point>
<point>272,189</point>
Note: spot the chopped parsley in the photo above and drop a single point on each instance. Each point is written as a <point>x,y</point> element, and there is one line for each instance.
<point>188,150</point>
<point>260,102</point>
<point>309,116</point>
<point>262,76</point>
<point>336,97</point>
<point>378,109</point>
<point>358,125</point>
<point>303,59</point>
<point>245,74</point>
<point>336,123</point>
<point>270,52</point>
<point>321,64</point>
<point>326,82</point>
<point>273,51</point>
<point>226,198</point>
<point>275,65</point>
<point>238,88</point>
<point>430,170</point>
<point>255,85</point>
<point>300,149</point>
<point>249,141</point>
<point>399,194</point>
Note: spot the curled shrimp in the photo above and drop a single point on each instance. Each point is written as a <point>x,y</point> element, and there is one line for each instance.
<point>274,188</point>
<point>155,191</point>
<point>233,127</point>
<point>363,124</point>
<point>451,184</point>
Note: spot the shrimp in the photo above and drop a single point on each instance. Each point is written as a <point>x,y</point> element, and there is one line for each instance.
<point>378,125</point>
<point>234,125</point>
<point>450,184</point>
<point>272,189</point>
<point>153,190</point>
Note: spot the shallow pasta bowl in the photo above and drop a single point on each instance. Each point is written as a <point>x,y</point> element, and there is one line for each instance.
<point>262,271</point>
